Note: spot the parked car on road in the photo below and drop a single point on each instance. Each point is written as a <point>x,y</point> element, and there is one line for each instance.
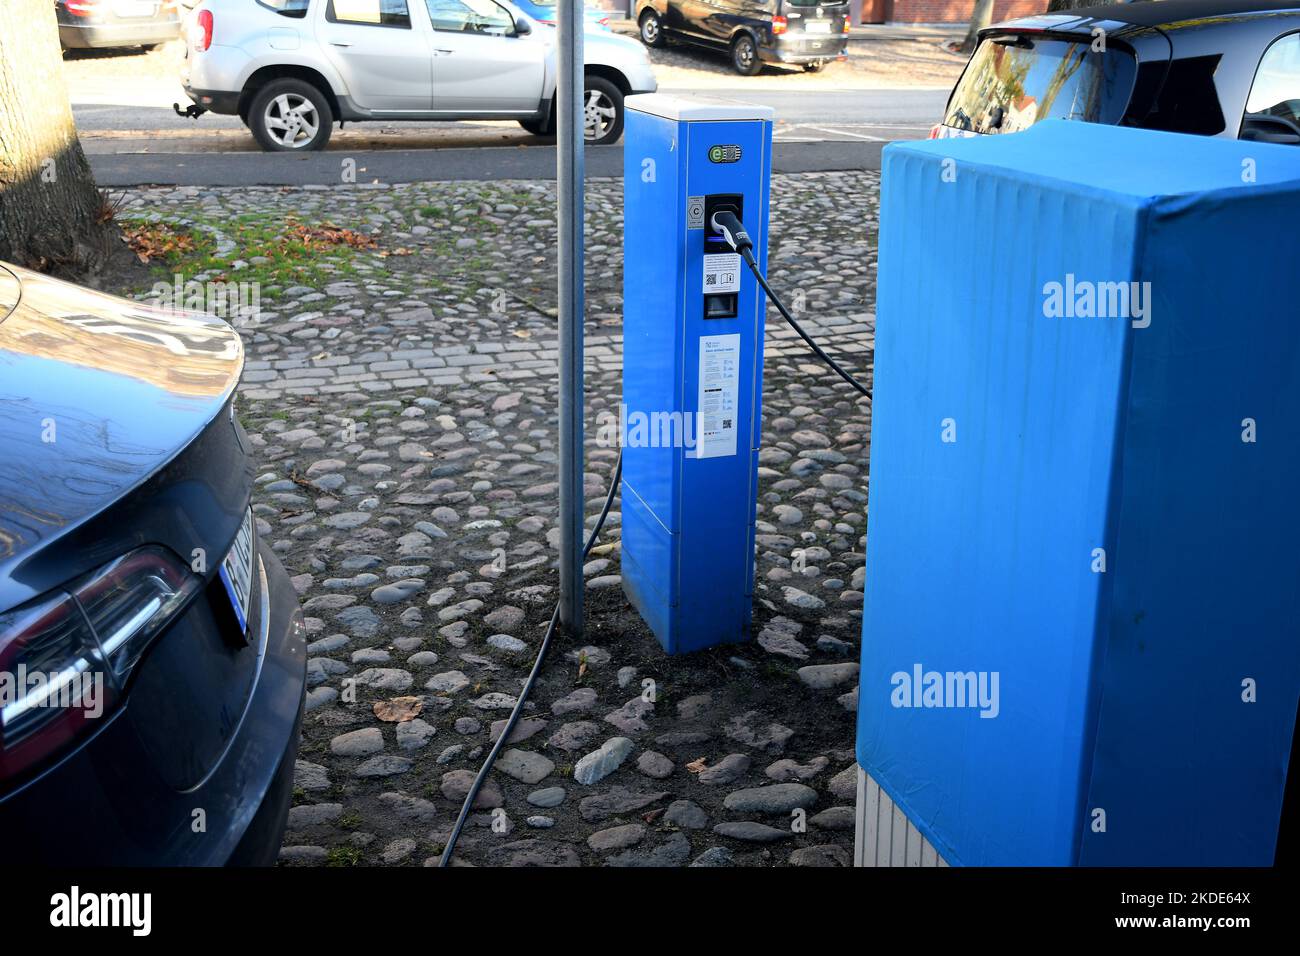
<point>752,32</point>
<point>152,651</point>
<point>596,19</point>
<point>1226,68</point>
<point>290,69</point>
<point>116,23</point>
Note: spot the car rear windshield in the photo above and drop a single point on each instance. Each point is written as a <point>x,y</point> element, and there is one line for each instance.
<point>1014,81</point>
<point>287,8</point>
<point>815,3</point>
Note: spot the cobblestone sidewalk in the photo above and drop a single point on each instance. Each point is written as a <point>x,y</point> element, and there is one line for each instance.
<point>403,416</point>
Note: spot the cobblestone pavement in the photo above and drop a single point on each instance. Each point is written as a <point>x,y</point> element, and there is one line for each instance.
<point>403,415</point>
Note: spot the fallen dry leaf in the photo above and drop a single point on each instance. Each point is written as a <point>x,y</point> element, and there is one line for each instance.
<point>695,766</point>
<point>399,709</point>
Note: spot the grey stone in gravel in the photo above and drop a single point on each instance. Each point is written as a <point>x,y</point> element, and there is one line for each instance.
<point>573,736</point>
<point>674,851</point>
<point>328,645</point>
<point>310,776</point>
<point>833,818</point>
<point>504,642</point>
<point>540,853</point>
<point>397,591</point>
<point>727,770</point>
<point>630,717</point>
<point>823,676</point>
<point>524,766</point>
<point>833,645</point>
<point>694,706</point>
<point>468,725</point>
<point>388,679</point>
<point>398,850</point>
<point>827,854</point>
<point>414,734</point>
<point>312,814</point>
<point>456,784</point>
<point>786,770</point>
<point>320,696</point>
<point>686,815</point>
<point>584,698</point>
<point>626,675</point>
<point>449,754</point>
<point>547,797</point>
<point>494,701</point>
<point>525,728</point>
<point>774,798</point>
<point>361,621</point>
<point>448,682</point>
<point>802,599</point>
<point>384,765</point>
<point>307,855</point>
<point>358,743</point>
<point>615,838</point>
<point>849,701</point>
<point>618,800</point>
<point>845,783</point>
<point>783,643</point>
<point>715,856</point>
<point>348,520</point>
<point>603,761</point>
<point>654,764</point>
<point>591,655</point>
<point>422,659</point>
<point>408,807</point>
<point>540,822</point>
<point>751,832</point>
<point>751,729</point>
<point>506,618</point>
<point>370,655</point>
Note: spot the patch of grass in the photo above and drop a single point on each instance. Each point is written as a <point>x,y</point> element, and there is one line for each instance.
<point>343,856</point>
<point>350,820</point>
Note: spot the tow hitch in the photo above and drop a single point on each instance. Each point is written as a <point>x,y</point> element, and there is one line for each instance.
<point>193,111</point>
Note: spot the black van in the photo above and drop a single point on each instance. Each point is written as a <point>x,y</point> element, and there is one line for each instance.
<point>753,32</point>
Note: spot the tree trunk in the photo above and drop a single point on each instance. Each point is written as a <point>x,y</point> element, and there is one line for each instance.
<point>50,209</point>
<point>981,17</point>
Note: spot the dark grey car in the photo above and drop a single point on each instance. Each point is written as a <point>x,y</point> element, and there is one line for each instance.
<point>807,33</point>
<point>152,651</point>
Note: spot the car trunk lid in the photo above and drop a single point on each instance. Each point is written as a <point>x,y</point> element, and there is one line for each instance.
<point>97,394</point>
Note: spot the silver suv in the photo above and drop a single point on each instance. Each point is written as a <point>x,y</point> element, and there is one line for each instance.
<point>290,69</point>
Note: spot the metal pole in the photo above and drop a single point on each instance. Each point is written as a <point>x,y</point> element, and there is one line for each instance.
<point>569,146</point>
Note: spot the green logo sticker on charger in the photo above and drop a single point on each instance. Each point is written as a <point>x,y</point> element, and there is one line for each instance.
<point>724,154</point>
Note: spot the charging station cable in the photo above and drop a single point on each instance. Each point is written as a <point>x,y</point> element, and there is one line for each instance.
<point>509,728</point>
<point>733,232</point>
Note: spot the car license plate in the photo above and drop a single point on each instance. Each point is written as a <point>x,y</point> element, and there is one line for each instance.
<point>817,27</point>
<point>236,571</point>
<point>135,8</point>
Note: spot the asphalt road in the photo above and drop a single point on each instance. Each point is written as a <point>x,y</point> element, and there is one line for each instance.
<point>419,165</point>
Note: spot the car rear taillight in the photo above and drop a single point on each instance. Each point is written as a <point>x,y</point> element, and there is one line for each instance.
<point>778,25</point>
<point>934,131</point>
<point>128,601</point>
<point>65,657</point>
<point>203,27</point>
<point>82,8</point>
<point>847,23</point>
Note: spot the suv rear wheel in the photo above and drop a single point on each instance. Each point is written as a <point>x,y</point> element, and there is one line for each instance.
<point>290,116</point>
<point>602,106</point>
<point>652,29</point>
<point>744,55</point>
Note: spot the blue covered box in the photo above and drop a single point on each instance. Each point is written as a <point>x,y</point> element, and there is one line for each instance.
<point>1080,634</point>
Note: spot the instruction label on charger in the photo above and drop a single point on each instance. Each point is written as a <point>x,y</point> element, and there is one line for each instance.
<point>715,428</point>
<point>722,272</point>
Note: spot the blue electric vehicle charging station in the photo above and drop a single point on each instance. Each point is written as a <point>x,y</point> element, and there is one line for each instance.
<point>1079,632</point>
<point>693,365</point>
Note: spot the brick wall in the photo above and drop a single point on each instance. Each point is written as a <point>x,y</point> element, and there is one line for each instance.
<point>959,11</point>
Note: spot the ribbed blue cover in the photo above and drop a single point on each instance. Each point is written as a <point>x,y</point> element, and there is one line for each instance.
<point>1118,691</point>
